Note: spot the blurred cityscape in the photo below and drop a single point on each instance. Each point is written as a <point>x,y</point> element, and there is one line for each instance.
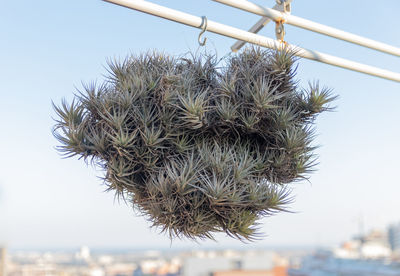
<point>376,253</point>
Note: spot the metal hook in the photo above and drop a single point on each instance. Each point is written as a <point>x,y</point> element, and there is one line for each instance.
<point>203,26</point>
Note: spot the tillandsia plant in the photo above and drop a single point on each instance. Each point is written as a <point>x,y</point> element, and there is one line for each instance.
<point>196,146</point>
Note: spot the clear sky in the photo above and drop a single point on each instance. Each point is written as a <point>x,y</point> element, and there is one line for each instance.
<point>47,48</point>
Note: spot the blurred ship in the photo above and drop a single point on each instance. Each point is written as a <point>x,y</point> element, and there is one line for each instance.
<point>374,254</point>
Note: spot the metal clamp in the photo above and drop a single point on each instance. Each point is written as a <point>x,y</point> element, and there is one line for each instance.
<point>286,7</point>
<point>280,30</point>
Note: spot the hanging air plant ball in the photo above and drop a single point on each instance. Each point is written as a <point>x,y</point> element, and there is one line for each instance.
<point>196,146</point>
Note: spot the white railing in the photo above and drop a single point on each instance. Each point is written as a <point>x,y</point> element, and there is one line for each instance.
<point>225,30</point>
<point>311,26</point>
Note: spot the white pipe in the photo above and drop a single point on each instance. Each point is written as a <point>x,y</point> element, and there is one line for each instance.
<point>232,32</point>
<point>311,26</point>
<point>255,29</point>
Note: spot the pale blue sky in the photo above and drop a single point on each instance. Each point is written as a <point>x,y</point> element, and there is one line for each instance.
<point>47,48</point>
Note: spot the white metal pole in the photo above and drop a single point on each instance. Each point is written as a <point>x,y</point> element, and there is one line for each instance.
<point>312,26</point>
<point>254,29</point>
<point>232,32</point>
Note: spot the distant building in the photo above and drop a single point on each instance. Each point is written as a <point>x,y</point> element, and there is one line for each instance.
<point>3,256</point>
<point>394,238</point>
<point>198,266</point>
<point>220,263</point>
<point>276,271</point>
<point>83,254</point>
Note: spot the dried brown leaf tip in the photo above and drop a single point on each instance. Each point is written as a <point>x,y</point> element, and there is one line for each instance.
<point>196,146</point>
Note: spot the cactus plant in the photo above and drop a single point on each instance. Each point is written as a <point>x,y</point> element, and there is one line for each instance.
<point>196,146</point>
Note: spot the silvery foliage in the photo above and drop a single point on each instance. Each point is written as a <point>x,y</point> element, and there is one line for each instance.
<point>196,146</point>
